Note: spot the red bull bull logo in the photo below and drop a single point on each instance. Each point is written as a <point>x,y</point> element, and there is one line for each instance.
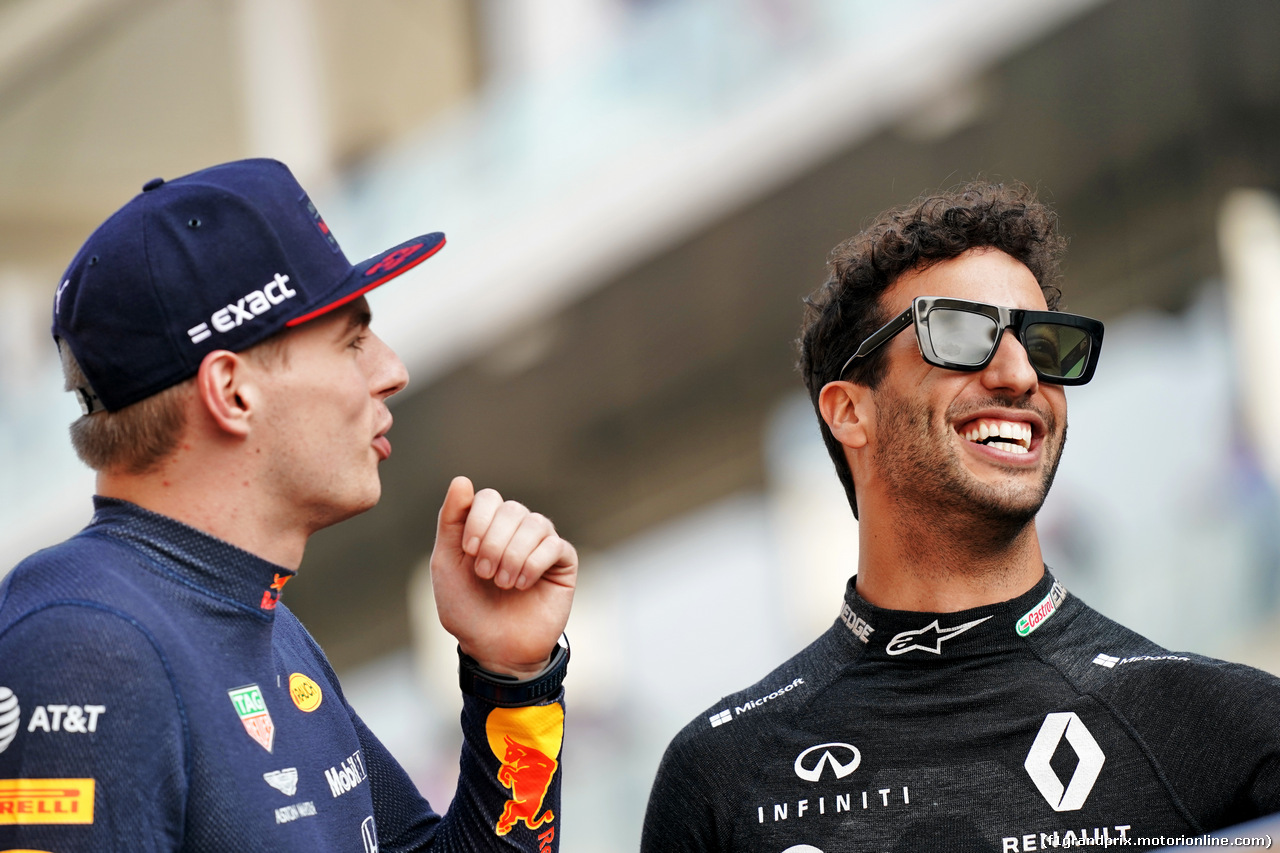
<point>527,742</point>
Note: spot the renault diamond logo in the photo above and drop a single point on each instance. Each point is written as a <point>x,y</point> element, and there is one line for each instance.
<point>852,758</point>
<point>1088,752</point>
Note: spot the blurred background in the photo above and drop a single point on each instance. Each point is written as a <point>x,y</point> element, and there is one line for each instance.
<point>637,194</point>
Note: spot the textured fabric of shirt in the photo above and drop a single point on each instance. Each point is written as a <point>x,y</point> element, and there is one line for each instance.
<point>1032,724</point>
<point>155,695</point>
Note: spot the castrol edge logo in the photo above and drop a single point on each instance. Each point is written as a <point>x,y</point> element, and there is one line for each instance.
<point>1036,616</point>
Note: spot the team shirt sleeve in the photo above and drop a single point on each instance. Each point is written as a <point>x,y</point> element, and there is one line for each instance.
<point>93,749</point>
<point>508,795</point>
<point>681,817</point>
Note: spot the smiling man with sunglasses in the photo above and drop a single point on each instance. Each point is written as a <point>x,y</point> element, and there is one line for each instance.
<point>964,699</point>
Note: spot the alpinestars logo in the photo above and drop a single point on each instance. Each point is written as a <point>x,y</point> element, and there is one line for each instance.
<point>1090,758</point>
<point>849,752</point>
<point>929,638</point>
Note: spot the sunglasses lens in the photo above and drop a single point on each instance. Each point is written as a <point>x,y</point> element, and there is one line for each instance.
<point>1058,351</point>
<point>961,337</point>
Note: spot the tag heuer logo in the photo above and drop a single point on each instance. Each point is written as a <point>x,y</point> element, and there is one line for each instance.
<point>252,709</point>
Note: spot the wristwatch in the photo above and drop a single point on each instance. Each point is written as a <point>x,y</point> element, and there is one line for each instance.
<point>508,691</point>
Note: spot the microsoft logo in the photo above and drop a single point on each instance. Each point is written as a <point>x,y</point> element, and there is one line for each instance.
<point>1106,660</point>
<point>721,718</point>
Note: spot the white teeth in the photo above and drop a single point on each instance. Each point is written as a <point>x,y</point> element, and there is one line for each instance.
<point>1012,436</point>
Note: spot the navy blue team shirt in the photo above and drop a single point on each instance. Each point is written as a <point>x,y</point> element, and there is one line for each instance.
<point>156,695</point>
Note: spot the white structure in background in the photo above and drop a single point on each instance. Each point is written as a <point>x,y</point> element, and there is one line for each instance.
<point>283,76</point>
<point>551,184</point>
<point>593,161</point>
<point>1249,236</point>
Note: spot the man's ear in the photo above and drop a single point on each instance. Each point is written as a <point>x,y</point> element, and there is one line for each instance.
<point>226,389</point>
<point>846,407</point>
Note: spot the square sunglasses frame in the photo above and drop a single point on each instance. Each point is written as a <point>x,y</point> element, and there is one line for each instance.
<point>1017,319</point>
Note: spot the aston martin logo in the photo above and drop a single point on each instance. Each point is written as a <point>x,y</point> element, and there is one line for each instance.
<point>929,638</point>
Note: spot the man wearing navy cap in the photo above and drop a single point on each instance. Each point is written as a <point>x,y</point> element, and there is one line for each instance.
<point>155,691</point>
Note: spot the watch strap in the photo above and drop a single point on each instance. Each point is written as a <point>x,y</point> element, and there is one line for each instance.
<point>507,691</point>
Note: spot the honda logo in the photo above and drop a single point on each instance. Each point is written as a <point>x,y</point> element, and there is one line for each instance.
<point>1070,797</point>
<point>841,768</point>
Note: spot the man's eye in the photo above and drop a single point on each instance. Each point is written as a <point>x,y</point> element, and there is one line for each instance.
<point>1043,350</point>
<point>358,342</point>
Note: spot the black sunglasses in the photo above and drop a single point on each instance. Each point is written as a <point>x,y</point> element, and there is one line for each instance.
<point>962,335</point>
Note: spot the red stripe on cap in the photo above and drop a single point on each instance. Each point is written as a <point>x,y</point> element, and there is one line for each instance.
<point>311,315</point>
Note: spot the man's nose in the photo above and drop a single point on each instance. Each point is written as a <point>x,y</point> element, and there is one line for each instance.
<point>1010,369</point>
<point>390,376</point>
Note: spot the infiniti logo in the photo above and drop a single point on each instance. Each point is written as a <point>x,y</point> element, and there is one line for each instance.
<point>829,752</point>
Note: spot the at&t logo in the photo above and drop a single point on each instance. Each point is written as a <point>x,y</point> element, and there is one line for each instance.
<point>1070,797</point>
<point>843,758</point>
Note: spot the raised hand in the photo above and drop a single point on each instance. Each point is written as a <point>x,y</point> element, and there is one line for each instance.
<point>503,580</point>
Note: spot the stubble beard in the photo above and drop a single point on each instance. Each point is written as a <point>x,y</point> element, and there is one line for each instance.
<point>942,502</point>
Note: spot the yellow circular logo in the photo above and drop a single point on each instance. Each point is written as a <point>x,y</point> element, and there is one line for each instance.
<point>305,692</point>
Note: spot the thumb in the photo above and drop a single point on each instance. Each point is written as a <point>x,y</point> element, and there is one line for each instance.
<point>453,513</point>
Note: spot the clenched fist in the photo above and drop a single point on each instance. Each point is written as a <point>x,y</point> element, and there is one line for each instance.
<point>503,579</point>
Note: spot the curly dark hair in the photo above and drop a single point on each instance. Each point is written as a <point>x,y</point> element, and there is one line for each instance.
<point>934,228</point>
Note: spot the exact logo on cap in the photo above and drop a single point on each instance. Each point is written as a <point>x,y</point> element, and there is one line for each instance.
<point>253,304</point>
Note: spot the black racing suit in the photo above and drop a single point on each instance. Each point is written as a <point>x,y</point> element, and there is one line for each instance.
<point>1032,724</point>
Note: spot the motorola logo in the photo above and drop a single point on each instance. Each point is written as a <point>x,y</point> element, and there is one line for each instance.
<point>1069,797</point>
<point>842,758</point>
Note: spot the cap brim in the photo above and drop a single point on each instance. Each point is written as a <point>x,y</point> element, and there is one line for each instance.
<point>375,271</point>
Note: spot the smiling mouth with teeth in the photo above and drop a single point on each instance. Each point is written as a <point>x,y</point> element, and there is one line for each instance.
<point>1009,436</point>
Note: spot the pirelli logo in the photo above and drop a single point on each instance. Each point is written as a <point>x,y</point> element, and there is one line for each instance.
<point>35,801</point>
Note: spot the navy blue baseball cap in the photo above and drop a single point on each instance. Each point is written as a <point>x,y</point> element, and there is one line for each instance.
<point>222,258</point>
